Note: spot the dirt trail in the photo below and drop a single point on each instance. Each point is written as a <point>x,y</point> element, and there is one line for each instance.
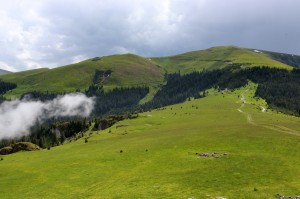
<point>250,120</point>
<point>282,129</point>
<point>263,109</point>
<point>243,97</point>
<point>247,115</point>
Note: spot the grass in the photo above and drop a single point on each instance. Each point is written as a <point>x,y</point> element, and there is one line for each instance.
<point>128,70</point>
<point>152,91</point>
<point>292,60</point>
<point>216,57</point>
<point>261,161</point>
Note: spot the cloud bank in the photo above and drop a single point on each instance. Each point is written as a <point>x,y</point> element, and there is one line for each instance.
<point>16,117</point>
<point>49,33</point>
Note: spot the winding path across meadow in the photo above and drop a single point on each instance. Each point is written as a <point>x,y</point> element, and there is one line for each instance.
<point>248,116</point>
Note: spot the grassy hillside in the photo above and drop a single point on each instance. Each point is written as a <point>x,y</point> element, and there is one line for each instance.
<point>127,70</point>
<point>130,70</point>
<point>216,57</point>
<point>159,156</point>
<point>292,60</point>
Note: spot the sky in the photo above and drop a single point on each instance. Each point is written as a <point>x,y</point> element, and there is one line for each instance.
<point>51,33</point>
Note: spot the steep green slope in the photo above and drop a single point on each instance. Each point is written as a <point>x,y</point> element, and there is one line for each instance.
<point>159,157</point>
<point>289,59</point>
<point>127,70</point>
<point>216,57</point>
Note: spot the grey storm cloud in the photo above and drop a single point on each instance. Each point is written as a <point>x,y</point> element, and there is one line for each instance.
<point>50,33</point>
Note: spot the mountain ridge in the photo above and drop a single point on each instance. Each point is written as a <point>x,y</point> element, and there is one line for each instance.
<point>134,70</point>
<point>217,57</point>
<point>126,70</point>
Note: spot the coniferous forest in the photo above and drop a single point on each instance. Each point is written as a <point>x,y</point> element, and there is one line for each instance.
<point>6,86</point>
<point>279,87</point>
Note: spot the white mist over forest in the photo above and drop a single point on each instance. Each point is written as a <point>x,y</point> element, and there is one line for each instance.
<point>18,116</point>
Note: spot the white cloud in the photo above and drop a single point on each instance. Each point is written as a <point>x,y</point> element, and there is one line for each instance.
<point>18,116</point>
<point>4,66</point>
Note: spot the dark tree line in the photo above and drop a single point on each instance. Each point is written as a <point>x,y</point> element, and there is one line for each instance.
<point>181,87</point>
<point>42,96</point>
<point>51,133</point>
<point>279,87</point>
<point>116,101</point>
<point>6,86</point>
<point>54,133</point>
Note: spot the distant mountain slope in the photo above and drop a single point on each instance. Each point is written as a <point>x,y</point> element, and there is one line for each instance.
<point>216,57</point>
<point>130,70</point>
<point>3,72</point>
<point>126,70</point>
<point>289,59</point>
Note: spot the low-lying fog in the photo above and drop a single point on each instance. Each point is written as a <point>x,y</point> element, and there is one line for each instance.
<point>18,116</point>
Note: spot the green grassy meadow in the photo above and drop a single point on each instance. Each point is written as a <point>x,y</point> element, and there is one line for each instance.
<point>216,58</point>
<point>127,70</point>
<point>158,158</point>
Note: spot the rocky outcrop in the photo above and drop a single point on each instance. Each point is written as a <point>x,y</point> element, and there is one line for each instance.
<point>19,146</point>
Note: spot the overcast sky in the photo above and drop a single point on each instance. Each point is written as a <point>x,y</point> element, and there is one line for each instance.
<point>50,33</point>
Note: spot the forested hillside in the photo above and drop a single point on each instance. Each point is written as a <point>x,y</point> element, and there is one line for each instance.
<point>119,83</point>
<point>279,87</point>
